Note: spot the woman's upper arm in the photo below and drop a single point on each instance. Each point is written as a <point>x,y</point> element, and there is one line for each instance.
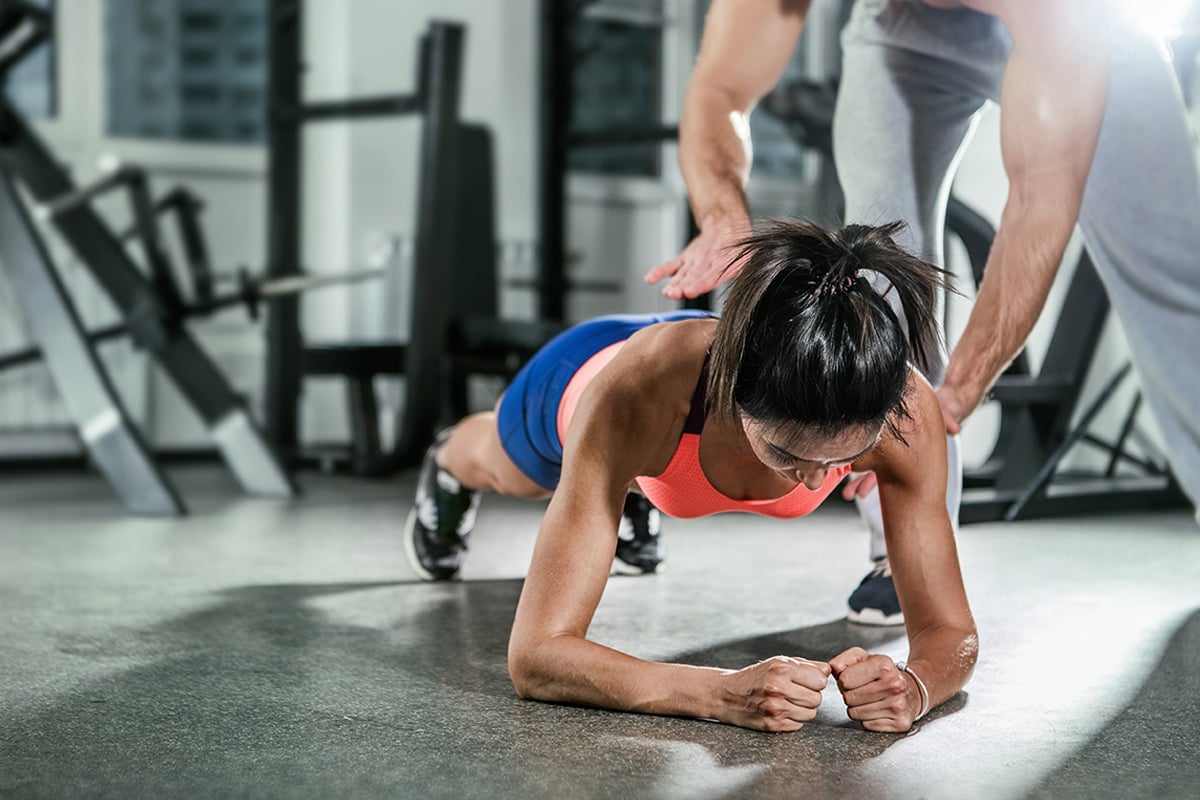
<point>613,438</point>
<point>920,537</point>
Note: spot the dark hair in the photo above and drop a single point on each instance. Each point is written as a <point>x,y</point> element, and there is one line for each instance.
<point>804,337</point>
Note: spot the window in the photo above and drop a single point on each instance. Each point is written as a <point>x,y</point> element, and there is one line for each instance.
<point>194,70</point>
<point>616,76</point>
<point>777,153</point>
<point>30,85</point>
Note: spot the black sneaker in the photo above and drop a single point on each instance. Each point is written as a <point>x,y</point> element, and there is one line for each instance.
<point>442,516</point>
<point>639,545</point>
<point>874,602</point>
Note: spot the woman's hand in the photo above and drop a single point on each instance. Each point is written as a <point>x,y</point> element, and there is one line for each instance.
<point>779,694</point>
<point>878,694</point>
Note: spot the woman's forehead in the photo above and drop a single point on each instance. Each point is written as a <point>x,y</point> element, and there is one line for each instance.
<point>812,444</point>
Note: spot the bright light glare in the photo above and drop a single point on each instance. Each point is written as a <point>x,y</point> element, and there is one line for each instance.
<point>1163,17</point>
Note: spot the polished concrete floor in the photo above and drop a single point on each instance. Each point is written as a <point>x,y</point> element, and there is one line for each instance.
<point>262,649</point>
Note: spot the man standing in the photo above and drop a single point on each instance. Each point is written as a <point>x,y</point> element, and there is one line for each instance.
<point>1093,130</point>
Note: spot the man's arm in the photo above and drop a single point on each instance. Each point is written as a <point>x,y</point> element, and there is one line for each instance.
<point>1053,97</point>
<point>745,47</point>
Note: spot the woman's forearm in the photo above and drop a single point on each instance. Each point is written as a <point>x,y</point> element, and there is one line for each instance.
<point>568,669</point>
<point>944,659</point>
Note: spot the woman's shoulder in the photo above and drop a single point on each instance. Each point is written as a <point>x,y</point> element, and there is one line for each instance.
<point>916,437</point>
<point>655,373</point>
<point>633,412</point>
<point>675,341</point>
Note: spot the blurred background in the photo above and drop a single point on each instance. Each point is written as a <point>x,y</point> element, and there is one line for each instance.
<point>570,190</point>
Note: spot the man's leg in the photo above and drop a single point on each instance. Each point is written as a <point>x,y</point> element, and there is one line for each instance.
<point>913,79</point>
<point>1141,221</point>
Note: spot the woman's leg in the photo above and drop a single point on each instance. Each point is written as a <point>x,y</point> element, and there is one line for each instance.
<point>475,457</point>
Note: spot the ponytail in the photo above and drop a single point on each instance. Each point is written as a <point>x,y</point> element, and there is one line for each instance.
<point>804,337</point>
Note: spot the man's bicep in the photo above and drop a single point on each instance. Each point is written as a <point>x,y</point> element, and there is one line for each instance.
<point>1053,97</point>
<point>747,44</point>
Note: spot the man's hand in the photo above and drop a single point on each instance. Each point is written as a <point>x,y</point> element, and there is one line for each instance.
<point>957,405</point>
<point>701,265</point>
<point>954,410</point>
<point>876,692</point>
<point>860,484</point>
<point>779,694</point>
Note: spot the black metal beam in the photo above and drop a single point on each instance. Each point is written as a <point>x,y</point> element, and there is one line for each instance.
<point>619,137</point>
<point>284,342</point>
<point>381,106</point>
<point>187,207</point>
<point>554,73</point>
<point>23,28</point>
<point>168,297</point>
<point>1038,485</point>
<point>438,184</point>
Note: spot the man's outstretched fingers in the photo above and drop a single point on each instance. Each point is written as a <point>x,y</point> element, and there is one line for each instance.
<point>664,270</point>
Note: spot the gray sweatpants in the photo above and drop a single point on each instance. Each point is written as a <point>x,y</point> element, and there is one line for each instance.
<point>913,80</point>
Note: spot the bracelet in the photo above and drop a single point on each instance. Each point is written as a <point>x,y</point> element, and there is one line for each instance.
<point>903,667</point>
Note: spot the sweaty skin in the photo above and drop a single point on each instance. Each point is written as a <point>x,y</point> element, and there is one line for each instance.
<point>628,423</point>
<point>1054,92</point>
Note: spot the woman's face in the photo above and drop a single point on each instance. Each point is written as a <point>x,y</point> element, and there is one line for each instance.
<point>804,456</point>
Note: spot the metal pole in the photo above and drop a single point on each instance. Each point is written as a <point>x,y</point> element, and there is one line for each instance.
<point>284,340</point>
<point>1046,473</point>
<point>555,80</point>
<point>436,239</point>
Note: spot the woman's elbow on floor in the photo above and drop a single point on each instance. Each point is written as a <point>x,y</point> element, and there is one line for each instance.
<point>523,672</point>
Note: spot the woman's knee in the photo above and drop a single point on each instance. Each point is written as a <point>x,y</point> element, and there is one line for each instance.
<point>520,486</point>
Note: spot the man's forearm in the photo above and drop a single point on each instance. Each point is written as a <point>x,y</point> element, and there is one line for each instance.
<point>714,154</point>
<point>1016,281</point>
<point>1054,94</point>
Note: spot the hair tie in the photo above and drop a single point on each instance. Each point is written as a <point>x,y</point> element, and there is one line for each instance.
<point>834,288</point>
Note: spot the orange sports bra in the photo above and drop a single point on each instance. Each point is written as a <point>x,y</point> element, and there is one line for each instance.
<point>683,490</point>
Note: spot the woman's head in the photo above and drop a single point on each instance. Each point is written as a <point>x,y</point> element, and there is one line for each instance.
<point>808,348</point>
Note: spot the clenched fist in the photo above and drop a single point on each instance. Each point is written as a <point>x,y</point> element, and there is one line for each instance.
<point>778,694</point>
<point>878,694</point>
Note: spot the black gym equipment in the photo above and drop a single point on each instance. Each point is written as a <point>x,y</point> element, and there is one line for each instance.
<point>153,306</point>
<point>1022,477</point>
<point>289,359</point>
<point>455,329</point>
<point>559,135</point>
<point>456,332</point>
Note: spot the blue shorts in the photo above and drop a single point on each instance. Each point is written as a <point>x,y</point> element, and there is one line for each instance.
<point>528,415</point>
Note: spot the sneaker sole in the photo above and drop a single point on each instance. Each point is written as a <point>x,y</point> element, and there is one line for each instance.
<point>873,616</point>
<point>410,552</point>
<point>619,567</point>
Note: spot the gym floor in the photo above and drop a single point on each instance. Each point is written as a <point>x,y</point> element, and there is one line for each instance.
<point>264,649</point>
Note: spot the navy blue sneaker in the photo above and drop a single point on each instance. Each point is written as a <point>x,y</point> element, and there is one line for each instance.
<point>639,538</point>
<point>435,535</point>
<point>874,602</point>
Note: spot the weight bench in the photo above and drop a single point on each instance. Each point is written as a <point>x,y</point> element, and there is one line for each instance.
<point>151,305</point>
<point>456,331</point>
